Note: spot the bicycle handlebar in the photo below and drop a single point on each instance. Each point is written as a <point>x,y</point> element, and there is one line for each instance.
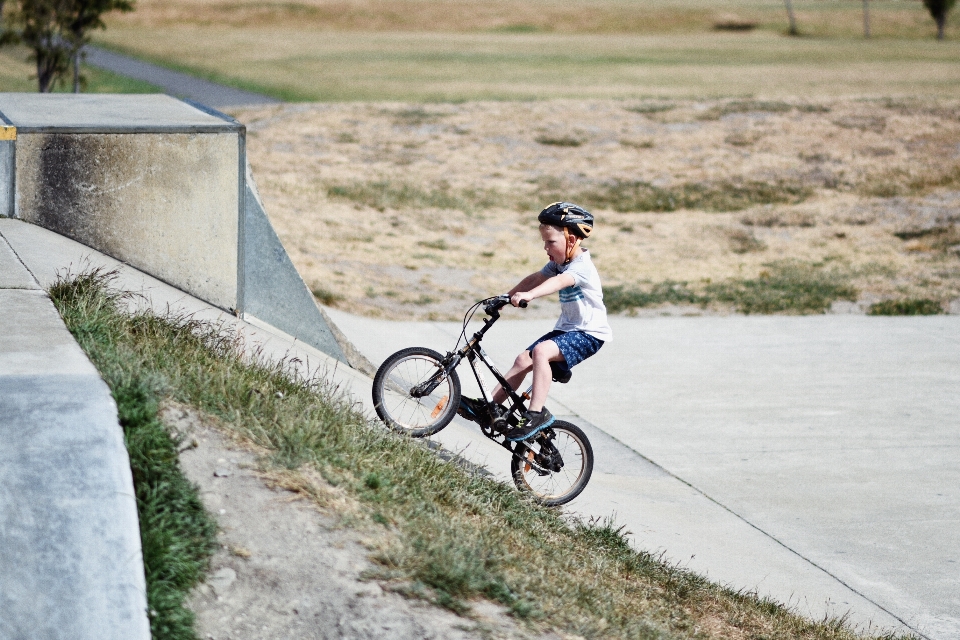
<point>499,302</point>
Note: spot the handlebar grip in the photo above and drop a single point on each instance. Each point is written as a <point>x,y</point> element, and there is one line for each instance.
<point>523,304</point>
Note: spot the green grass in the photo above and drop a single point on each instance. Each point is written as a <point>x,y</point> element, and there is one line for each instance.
<point>647,108</point>
<point>906,307</point>
<point>785,286</point>
<point>620,298</point>
<point>623,196</point>
<point>292,63</point>
<point>177,534</point>
<point>448,535</point>
<point>18,75</point>
<point>559,141</point>
<point>103,81</point>
<point>918,181</point>
<point>327,297</point>
<point>758,106</point>
<point>386,194</point>
<point>637,195</point>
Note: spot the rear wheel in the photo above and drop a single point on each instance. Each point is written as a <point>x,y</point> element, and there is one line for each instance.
<point>408,409</point>
<point>557,464</point>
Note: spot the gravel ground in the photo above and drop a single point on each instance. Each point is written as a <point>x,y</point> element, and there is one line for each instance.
<point>287,568</point>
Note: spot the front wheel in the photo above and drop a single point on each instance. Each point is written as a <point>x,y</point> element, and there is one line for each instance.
<point>412,394</point>
<point>556,465</point>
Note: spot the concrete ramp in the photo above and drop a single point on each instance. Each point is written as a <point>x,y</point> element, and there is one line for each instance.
<point>162,185</point>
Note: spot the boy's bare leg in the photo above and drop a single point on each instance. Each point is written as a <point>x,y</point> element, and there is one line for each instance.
<point>543,354</point>
<point>521,367</point>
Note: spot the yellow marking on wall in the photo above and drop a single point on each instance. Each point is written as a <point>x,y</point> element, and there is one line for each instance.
<point>7,132</point>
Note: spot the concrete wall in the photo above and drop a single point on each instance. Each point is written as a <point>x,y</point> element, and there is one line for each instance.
<point>163,202</point>
<point>273,290</point>
<point>162,185</point>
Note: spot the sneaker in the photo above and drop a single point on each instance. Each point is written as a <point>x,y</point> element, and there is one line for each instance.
<point>531,424</point>
<point>478,410</point>
<point>470,408</point>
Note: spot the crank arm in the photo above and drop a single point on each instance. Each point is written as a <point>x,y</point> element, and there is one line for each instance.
<point>541,471</point>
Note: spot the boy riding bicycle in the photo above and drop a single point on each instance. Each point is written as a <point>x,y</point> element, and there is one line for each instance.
<point>579,332</point>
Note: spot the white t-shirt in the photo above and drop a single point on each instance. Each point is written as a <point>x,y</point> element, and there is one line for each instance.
<point>581,306</point>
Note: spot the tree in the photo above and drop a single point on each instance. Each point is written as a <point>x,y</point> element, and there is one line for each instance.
<point>866,18</point>
<point>56,31</point>
<point>793,19</point>
<point>85,16</point>
<point>939,10</point>
<point>38,24</point>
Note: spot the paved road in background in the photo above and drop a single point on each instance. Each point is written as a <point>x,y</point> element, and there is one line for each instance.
<point>180,85</point>
<point>813,459</point>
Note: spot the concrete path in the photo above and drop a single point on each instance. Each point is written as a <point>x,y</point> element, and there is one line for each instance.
<point>71,567</point>
<point>811,459</point>
<point>180,85</point>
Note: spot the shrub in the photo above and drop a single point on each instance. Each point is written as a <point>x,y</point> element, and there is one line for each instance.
<point>906,307</point>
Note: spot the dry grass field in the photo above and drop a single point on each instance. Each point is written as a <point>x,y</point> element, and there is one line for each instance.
<point>453,50</point>
<point>832,18</point>
<point>409,210</point>
<point>731,170</point>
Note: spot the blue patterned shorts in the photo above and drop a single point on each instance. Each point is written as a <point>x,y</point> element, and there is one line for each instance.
<point>575,346</point>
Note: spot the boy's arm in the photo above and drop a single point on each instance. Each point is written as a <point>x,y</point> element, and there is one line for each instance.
<point>545,287</point>
<point>528,283</point>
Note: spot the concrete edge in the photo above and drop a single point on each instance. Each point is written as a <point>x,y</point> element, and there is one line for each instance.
<point>70,541</point>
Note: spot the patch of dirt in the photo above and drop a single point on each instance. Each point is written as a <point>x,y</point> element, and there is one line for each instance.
<point>413,211</point>
<point>287,568</point>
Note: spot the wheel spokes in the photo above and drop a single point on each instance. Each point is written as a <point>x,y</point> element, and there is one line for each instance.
<point>407,410</point>
<point>557,484</point>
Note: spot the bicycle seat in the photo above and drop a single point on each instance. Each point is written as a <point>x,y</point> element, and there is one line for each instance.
<point>561,375</point>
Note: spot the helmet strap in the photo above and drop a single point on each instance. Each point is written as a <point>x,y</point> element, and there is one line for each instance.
<point>570,247</point>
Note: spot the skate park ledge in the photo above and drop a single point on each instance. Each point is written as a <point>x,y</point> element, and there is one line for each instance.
<point>163,186</point>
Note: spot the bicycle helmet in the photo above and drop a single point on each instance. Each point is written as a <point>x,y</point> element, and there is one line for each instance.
<point>568,216</point>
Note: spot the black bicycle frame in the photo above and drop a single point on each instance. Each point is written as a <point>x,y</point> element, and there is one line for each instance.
<point>472,351</point>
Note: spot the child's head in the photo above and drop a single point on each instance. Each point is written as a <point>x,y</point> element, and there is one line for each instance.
<point>562,226</point>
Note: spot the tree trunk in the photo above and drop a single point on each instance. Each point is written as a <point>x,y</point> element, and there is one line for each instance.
<point>941,24</point>
<point>76,71</point>
<point>44,74</point>
<point>866,18</point>
<point>793,20</point>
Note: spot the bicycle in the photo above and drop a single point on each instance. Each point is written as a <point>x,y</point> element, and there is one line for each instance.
<point>416,391</point>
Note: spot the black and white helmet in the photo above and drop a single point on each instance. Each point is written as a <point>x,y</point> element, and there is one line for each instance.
<point>569,216</point>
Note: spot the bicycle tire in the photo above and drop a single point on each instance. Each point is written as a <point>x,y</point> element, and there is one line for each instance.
<point>557,487</point>
<point>404,413</point>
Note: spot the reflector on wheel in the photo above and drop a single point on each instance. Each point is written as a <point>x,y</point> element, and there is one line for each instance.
<point>440,405</point>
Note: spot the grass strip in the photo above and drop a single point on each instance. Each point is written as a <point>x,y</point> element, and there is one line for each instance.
<point>906,307</point>
<point>628,196</point>
<point>176,532</point>
<point>386,194</point>
<point>448,535</point>
<point>619,195</point>
<point>784,286</point>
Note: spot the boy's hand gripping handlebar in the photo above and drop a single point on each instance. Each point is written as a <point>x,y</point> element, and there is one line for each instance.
<point>499,302</point>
